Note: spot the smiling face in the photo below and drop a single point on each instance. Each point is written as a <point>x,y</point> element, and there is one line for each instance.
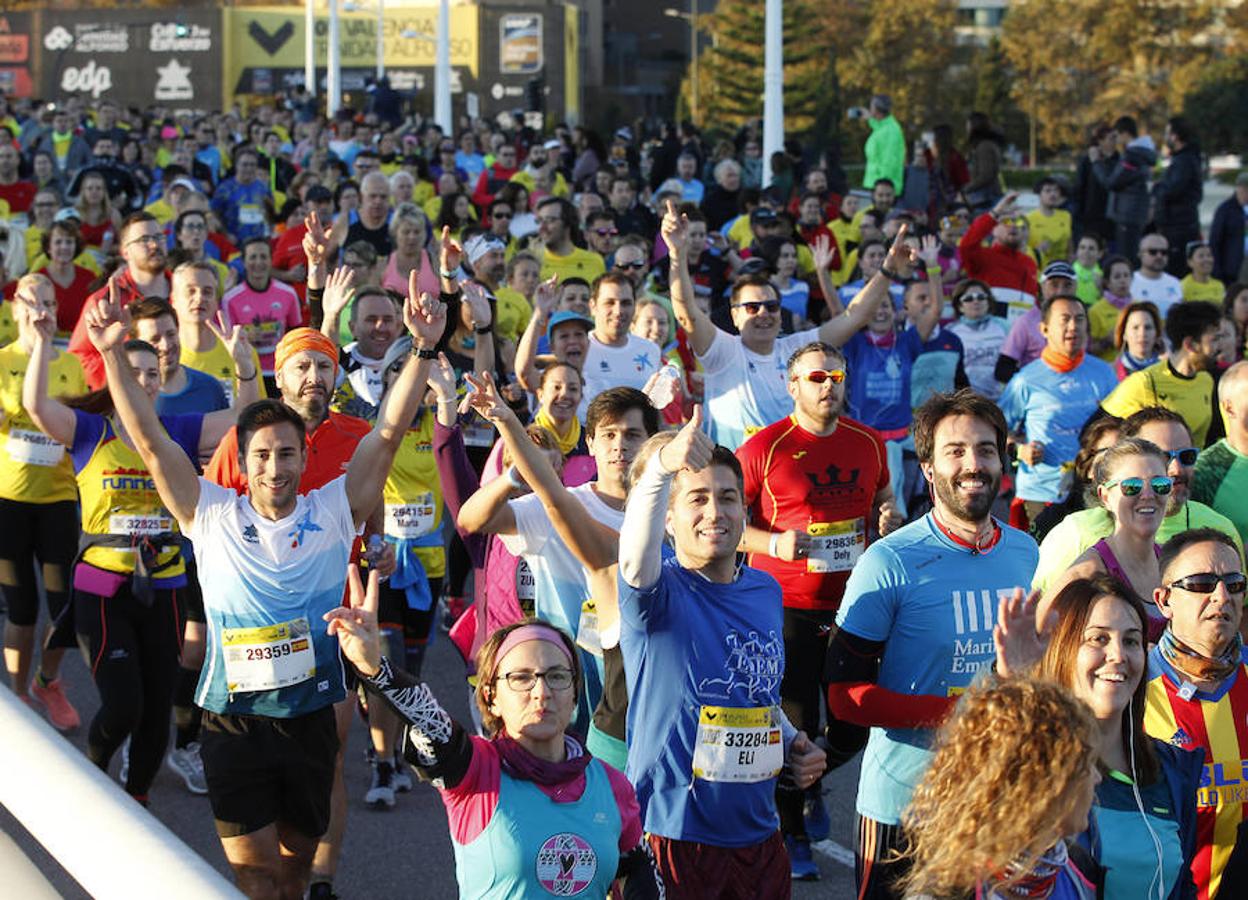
<point>374,323</point>
<point>539,715</point>
<point>706,515</point>
<point>1201,262</point>
<point>965,470</point>
<point>1087,252</point>
<point>274,460</point>
<point>650,322</point>
<point>1111,658</point>
<point>569,343</point>
<point>612,310</point>
<point>306,381</point>
<point>1139,514</point>
<point>162,333</point>
<point>1207,622</point>
<point>258,264</point>
<point>755,322</point>
<point>560,393</point>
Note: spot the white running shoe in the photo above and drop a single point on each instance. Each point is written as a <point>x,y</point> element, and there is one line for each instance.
<point>381,794</point>
<point>189,766</point>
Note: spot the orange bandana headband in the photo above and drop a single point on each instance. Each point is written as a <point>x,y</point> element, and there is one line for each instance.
<point>298,339</point>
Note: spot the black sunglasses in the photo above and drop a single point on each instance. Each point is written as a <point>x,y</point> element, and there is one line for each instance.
<point>1207,582</point>
<point>754,307</point>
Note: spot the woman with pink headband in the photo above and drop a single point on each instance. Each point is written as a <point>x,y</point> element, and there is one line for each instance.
<point>531,812</point>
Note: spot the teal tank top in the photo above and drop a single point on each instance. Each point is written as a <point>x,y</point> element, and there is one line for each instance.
<point>536,848</point>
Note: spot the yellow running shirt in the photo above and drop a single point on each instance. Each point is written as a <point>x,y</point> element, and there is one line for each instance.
<point>33,467</point>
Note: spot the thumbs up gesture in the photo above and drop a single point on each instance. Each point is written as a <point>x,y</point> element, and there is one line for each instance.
<point>690,449</point>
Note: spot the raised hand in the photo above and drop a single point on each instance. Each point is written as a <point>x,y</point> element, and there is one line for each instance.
<point>1020,640</point>
<point>356,625</point>
<point>442,379</point>
<point>546,296</point>
<point>315,241</point>
<point>901,257</point>
<point>478,304</point>
<point>423,314</point>
<point>339,290</point>
<point>1006,206</point>
<point>823,252</point>
<point>450,253</point>
<point>108,322</point>
<point>235,341</point>
<point>675,231</point>
<point>929,251</point>
<point>485,398</point>
<point>690,449</point>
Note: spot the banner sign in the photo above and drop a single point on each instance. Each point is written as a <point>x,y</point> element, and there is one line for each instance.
<point>134,56</point>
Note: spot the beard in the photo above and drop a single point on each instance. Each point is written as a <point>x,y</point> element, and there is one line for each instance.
<point>968,509</point>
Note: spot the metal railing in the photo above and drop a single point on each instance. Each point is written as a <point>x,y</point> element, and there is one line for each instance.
<point>109,844</point>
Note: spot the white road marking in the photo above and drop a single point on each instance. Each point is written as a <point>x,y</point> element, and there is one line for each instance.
<point>835,852</point>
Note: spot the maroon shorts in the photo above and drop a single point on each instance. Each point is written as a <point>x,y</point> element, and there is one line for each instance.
<point>692,871</point>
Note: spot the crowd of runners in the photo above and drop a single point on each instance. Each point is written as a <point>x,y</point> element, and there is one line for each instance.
<point>715,485</point>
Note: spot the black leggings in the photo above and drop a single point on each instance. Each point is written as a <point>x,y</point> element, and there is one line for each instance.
<point>802,698</point>
<point>43,532</point>
<point>133,653</point>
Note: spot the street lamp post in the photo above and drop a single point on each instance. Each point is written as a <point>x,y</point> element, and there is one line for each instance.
<point>333,75</point>
<point>381,39</point>
<point>442,70</point>
<point>309,48</point>
<point>773,85</point>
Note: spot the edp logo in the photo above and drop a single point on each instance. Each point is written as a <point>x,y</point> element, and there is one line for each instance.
<point>91,78</point>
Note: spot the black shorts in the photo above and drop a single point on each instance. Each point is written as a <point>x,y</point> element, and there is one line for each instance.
<point>191,598</point>
<point>262,770</point>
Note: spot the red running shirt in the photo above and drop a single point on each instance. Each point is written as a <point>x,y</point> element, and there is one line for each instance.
<point>795,481</point>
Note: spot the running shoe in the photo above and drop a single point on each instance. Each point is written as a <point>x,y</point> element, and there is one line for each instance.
<point>401,780</point>
<point>801,859</point>
<point>381,794</point>
<point>818,823</point>
<point>61,712</point>
<point>186,763</point>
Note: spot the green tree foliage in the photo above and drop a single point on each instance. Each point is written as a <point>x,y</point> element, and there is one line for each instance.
<point>1073,64</point>
<point>731,74</point>
<point>1218,106</point>
<point>902,48</point>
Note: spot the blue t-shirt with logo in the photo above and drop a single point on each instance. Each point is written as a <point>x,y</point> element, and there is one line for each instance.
<point>202,394</point>
<point>937,366</point>
<point>1052,407</point>
<point>933,603</point>
<point>689,644</point>
<point>879,379</point>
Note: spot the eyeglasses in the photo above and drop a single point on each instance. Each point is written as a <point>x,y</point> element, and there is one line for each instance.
<point>152,240</point>
<point>1186,456</point>
<point>819,376</point>
<point>972,296</point>
<point>630,265</point>
<point>606,232</point>
<point>501,215</point>
<point>754,307</point>
<point>1130,487</point>
<point>558,679</point>
<point>1207,582</point>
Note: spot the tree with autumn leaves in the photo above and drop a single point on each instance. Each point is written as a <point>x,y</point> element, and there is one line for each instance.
<point>1065,64</point>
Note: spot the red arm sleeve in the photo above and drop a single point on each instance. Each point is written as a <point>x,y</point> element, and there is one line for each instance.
<point>81,346</point>
<point>864,703</point>
<point>971,247</point>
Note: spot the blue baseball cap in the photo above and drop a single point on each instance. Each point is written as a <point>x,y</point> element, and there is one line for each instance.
<point>564,316</point>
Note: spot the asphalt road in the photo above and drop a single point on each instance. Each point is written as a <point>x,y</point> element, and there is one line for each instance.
<point>401,853</point>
